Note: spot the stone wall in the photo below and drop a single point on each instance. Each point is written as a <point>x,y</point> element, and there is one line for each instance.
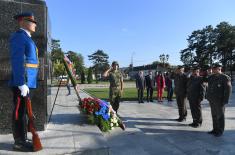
<point>40,96</point>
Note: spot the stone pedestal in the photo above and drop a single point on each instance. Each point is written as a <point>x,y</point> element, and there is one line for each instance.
<point>41,102</point>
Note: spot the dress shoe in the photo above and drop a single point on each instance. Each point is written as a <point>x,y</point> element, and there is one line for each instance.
<point>218,134</point>
<point>23,146</point>
<point>195,125</point>
<point>211,132</point>
<point>180,119</point>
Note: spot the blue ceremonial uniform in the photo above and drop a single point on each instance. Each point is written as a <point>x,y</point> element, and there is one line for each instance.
<point>24,60</point>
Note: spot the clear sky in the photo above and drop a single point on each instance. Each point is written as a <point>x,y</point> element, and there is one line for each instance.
<point>143,29</point>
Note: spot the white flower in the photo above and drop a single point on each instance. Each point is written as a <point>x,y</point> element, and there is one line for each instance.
<point>111,124</point>
<point>112,128</point>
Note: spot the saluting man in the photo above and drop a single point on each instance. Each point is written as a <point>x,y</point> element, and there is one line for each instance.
<point>24,62</point>
<point>218,92</point>
<point>116,85</point>
<point>195,93</point>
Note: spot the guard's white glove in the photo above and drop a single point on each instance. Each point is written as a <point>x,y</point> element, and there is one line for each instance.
<point>24,90</point>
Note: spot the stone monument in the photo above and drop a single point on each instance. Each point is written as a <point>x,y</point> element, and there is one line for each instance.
<point>41,101</point>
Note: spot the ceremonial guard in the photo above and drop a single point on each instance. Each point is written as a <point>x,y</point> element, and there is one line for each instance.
<point>180,92</point>
<point>195,94</point>
<point>218,92</point>
<point>24,63</point>
<point>116,85</point>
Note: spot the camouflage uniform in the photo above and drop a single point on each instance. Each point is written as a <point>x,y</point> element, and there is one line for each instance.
<point>180,92</point>
<point>195,94</point>
<point>218,92</point>
<point>115,78</point>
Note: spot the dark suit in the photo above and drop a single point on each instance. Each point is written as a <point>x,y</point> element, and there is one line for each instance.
<point>140,84</point>
<point>180,92</point>
<point>149,81</point>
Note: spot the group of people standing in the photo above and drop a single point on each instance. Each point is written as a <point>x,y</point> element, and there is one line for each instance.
<point>193,85</point>
<point>149,82</point>
<point>213,85</point>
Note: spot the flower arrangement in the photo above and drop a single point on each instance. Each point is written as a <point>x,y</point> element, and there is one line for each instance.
<point>101,113</point>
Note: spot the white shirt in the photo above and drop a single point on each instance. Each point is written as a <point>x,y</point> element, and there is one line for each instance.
<point>28,33</point>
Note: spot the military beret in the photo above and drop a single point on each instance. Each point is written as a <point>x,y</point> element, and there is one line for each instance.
<point>29,16</point>
<point>215,65</point>
<point>114,63</point>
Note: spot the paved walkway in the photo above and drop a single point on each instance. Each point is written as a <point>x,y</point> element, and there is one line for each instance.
<point>150,130</point>
<point>67,133</point>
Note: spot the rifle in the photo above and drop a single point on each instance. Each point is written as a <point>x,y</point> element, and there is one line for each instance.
<point>36,140</point>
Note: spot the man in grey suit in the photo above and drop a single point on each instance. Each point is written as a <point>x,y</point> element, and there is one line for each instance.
<point>180,92</point>
<point>195,94</point>
<point>140,85</point>
<point>219,90</point>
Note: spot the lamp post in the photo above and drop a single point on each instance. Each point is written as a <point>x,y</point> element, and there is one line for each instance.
<point>163,58</point>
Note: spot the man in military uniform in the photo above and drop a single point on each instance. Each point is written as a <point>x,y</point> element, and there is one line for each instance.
<point>195,94</point>
<point>180,92</point>
<point>24,62</point>
<point>116,84</point>
<point>219,90</point>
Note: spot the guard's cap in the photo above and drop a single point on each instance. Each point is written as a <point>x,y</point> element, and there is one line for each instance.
<point>29,16</point>
<point>114,63</point>
<point>215,65</point>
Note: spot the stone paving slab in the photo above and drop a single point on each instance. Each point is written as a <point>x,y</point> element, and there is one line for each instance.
<point>151,130</point>
<point>67,133</point>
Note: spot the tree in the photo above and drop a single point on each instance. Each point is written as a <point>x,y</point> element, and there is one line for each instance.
<point>100,62</point>
<point>89,76</point>
<point>225,44</point>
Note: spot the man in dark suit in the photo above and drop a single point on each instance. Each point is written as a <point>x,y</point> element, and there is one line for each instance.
<point>140,85</point>
<point>149,81</point>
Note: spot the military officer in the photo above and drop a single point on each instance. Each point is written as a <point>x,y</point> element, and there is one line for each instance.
<point>24,62</point>
<point>219,90</point>
<point>195,94</point>
<point>180,92</point>
<point>116,85</point>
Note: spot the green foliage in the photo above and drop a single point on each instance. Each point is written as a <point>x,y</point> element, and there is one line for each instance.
<point>91,119</point>
<point>58,68</point>
<point>211,44</point>
<point>100,62</point>
<point>102,124</point>
<point>89,76</point>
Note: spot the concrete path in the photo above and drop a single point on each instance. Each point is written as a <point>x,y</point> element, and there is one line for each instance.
<point>151,130</point>
<point>67,133</point>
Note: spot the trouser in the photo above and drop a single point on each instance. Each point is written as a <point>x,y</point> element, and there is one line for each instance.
<point>140,94</point>
<point>217,112</point>
<point>169,93</point>
<point>196,111</point>
<point>115,97</point>
<point>115,103</point>
<point>19,118</point>
<point>149,93</point>
<point>181,102</point>
<point>160,93</point>
<point>68,87</point>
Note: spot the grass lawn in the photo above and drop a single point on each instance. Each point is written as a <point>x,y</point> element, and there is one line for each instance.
<point>129,94</point>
